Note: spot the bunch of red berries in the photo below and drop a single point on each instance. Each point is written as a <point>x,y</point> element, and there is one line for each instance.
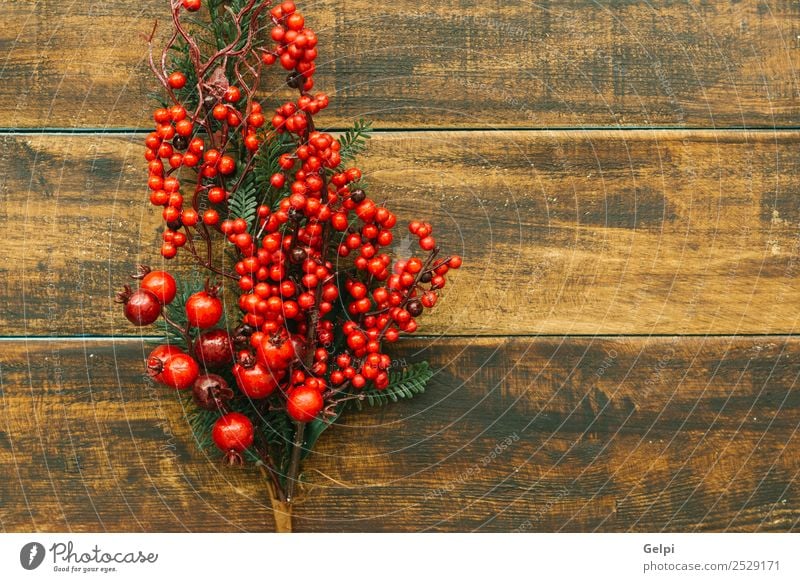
<point>319,291</point>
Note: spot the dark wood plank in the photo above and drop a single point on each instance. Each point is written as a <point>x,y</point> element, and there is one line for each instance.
<point>560,434</point>
<point>562,232</point>
<point>456,63</point>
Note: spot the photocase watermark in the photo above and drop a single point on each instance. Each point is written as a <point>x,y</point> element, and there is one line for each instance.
<point>503,95</point>
<point>31,555</point>
<point>528,524</point>
<point>459,21</point>
<point>66,558</point>
<point>656,376</point>
<point>475,469</point>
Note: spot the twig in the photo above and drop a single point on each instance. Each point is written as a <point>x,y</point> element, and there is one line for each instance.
<point>294,463</point>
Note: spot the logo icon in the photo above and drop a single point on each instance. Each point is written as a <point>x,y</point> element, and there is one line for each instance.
<point>31,555</point>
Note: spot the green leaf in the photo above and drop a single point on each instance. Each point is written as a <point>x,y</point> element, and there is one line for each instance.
<point>354,140</point>
<point>278,431</point>
<point>314,430</point>
<point>201,422</point>
<point>266,164</point>
<point>405,384</point>
<point>244,204</point>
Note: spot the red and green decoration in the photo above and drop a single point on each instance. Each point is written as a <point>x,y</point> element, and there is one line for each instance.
<point>276,217</point>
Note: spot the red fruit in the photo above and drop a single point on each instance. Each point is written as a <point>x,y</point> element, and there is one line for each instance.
<point>161,284</point>
<point>232,94</point>
<point>220,112</point>
<point>255,382</point>
<point>295,22</point>
<point>191,5</point>
<point>203,310</point>
<point>227,165</point>
<point>163,352</point>
<point>211,392</point>
<point>141,307</point>
<point>233,432</point>
<point>277,352</point>
<point>214,348</point>
<point>178,371</point>
<point>304,404</point>
<point>177,80</point>
<point>427,243</point>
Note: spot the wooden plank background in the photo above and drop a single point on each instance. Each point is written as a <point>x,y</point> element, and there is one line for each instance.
<point>621,178</point>
<point>571,63</point>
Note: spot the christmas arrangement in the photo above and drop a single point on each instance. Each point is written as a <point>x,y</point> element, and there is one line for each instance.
<point>295,294</point>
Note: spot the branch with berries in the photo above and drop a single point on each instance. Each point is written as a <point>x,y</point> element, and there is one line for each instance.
<point>319,294</point>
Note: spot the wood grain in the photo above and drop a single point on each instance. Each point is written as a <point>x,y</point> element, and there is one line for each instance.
<point>596,232</point>
<point>563,434</point>
<point>582,63</point>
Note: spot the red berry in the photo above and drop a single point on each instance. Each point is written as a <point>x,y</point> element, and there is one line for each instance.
<point>213,348</point>
<point>272,353</point>
<point>203,310</point>
<point>304,403</point>
<point>255,382</point>
<point>211,217</point>
<point>232,94</point>
<point>177,80</point>
<point>163,352</point>
<point>227,165</point>
<point>211,392</point>
<point>142,307</point>
<point>192,5</point>
<point>178,371</point>
<point>216,195</point>
<point>220,112</point>
<point>233,432</point>
<point>427,244</point>
<point>277,181</point>
<point>161,284</point>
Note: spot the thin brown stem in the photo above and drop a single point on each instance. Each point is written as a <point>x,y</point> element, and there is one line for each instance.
<point>294,463</point>
<point>267,462</point>
<point>181,330</point>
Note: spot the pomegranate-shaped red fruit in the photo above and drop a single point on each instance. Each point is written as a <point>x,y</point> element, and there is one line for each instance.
<point>211,392</point>
<point>161,284</point>
<point>213,348</point>
<point>141,306</point>
<point>256,381</point>
<point>304,403</point>
<point>233,432</point>
<point>163,352</point>
<point>276,352</point>
<point>203,309</point>
<point>178,371</point>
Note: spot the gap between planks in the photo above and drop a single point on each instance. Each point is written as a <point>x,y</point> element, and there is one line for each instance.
<point>145,338</point>
<point>61,131</point>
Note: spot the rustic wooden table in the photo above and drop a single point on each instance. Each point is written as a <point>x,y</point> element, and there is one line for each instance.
<point>618,353</point>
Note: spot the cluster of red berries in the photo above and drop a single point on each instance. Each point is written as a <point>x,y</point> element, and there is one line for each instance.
<point>176,141</point>
<point>319,293</point>
<point>296,47</point>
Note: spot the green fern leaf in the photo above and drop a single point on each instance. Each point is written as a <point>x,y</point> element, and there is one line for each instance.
<point>403,385</point>
<point>266,164</point>
<point>354,140</point>
<point>244,204</point>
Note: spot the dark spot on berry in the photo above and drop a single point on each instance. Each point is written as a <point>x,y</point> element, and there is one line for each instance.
<point>294,80</point>
<point>414,307</point>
